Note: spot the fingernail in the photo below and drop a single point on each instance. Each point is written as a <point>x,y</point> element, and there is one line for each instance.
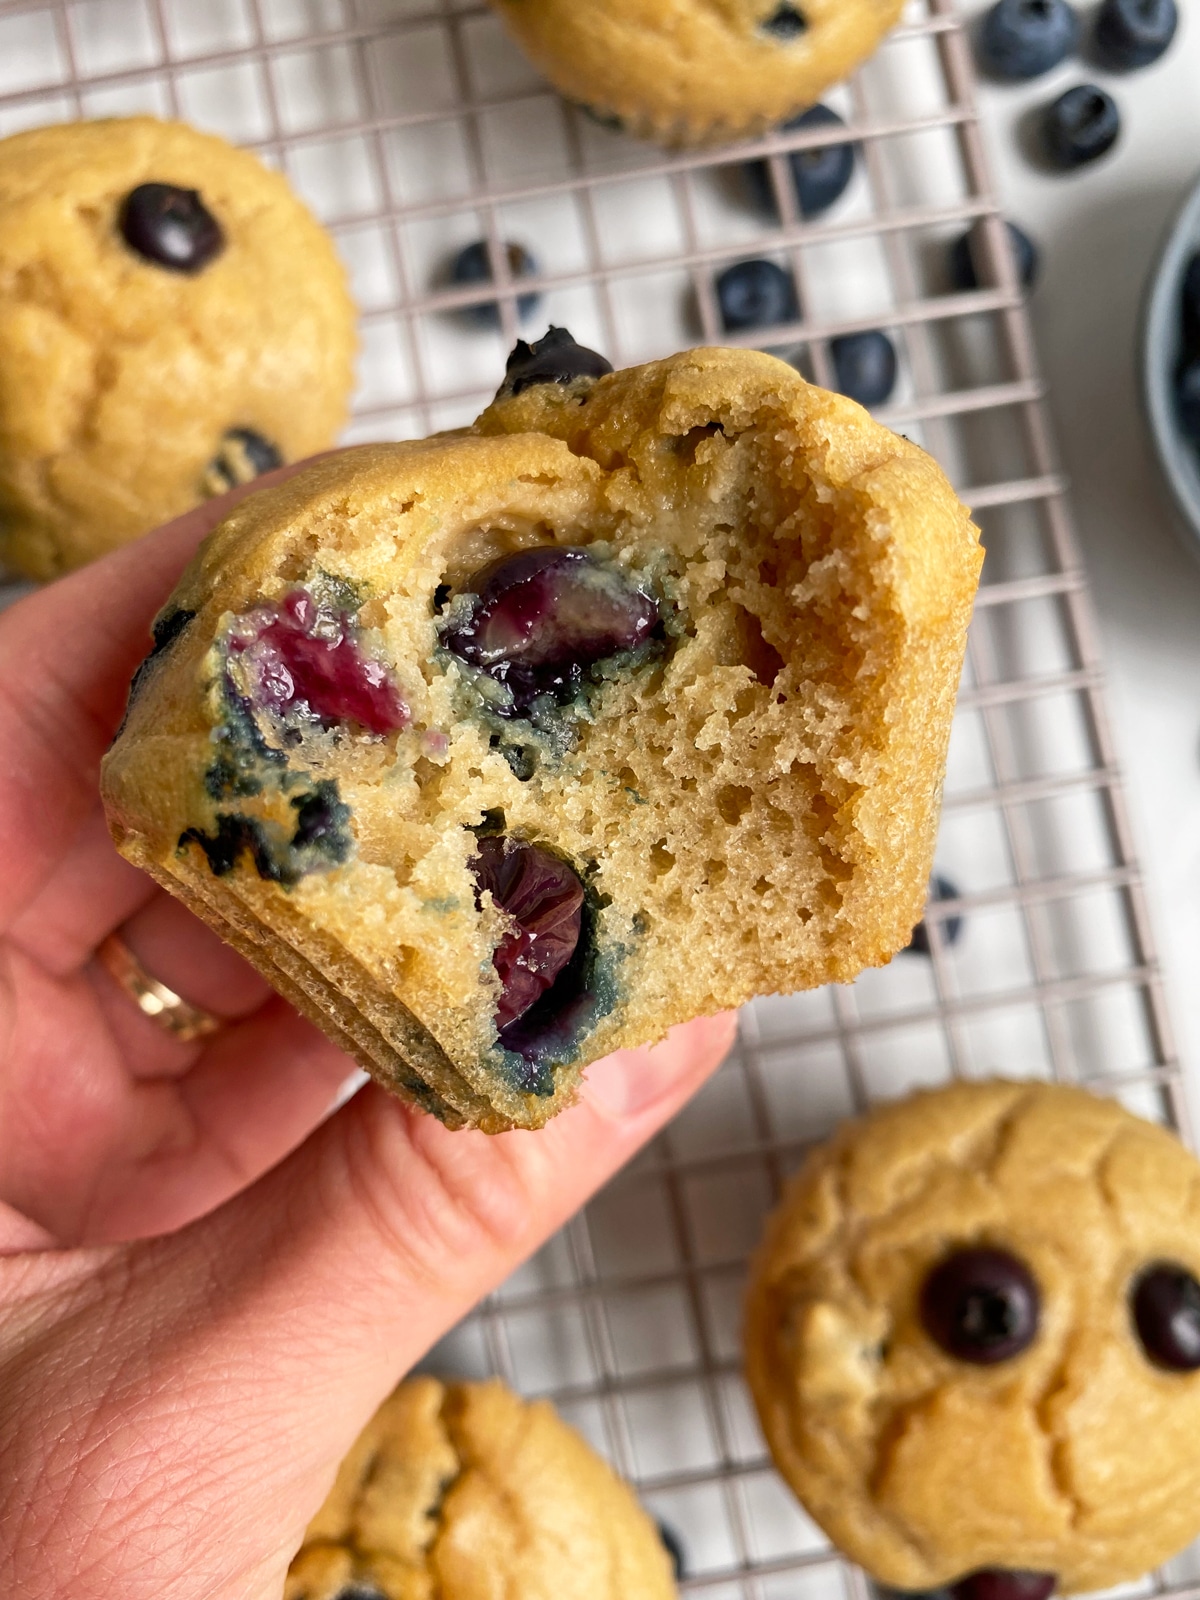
<point>632,1081</point>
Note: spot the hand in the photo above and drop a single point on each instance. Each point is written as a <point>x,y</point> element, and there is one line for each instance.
<point>172,1408</point>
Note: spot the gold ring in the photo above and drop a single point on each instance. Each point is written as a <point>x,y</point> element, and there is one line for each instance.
<point>171,1011</point>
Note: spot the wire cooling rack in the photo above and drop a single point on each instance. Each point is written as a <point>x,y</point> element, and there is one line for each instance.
<point>413,128</point>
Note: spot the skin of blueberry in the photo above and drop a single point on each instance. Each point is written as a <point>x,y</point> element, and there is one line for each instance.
<point>981,1304</point>
<point>1131,34</point>
<point>473,265</point>
<point>1081,125</point>
<point>755,294</point>
<point>171,227</point>
<point>1022,39</point>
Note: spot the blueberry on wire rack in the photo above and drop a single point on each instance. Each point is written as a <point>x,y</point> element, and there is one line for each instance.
<point>966,257</point>
<point>820,174</point>
<point>473,264</point>
<point>755,294</point>
<point>864,365</point>
<point>952,926</point>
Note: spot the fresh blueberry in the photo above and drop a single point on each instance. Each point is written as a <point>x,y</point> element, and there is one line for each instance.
<point>171,227</point>
<point>243,456</point>
<point>756,294</point>
<point>1191,306</point>
<point>981,1305</point>
<point>674,1548</point>
<point>555,358</point>
<point>939,889</point>
<point>473,264</point>
<point>298,656</point>
<point>966,256</point>
<point>1024,38</point>
<point>785,23</point>
<point>542,617</point>
<point>865,366</point>
<point>820,175</point>
<point>1080,126</point>
<point>1166,1313</point>
<point>1133,33</point>
<point>1004,1583</point>
<point>544,897</point>
<point>1187,397</point>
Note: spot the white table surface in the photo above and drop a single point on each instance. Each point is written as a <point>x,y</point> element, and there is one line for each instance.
<point>1100,230</point>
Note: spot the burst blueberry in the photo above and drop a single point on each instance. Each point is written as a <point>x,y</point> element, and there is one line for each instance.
<point>939,889</point>
<point>543,616</point>
<point>756,294</point>
<point>171,227</point>
<point>820,175</point>
<point>473,265</point>
<point>1081,126</point>
<point>865,366</point>
<point>1021,39</point>
<point>1133,33</point>
<point>1004,1583</point>
<point>966,257</point>
<point>554,358</point>
<point>543,896</point>
<point>785,23</point>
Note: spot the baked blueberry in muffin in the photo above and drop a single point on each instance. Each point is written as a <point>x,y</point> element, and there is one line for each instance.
<point>498,752</point>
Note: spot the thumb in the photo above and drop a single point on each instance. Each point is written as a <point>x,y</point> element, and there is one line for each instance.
<point>224,1371</point>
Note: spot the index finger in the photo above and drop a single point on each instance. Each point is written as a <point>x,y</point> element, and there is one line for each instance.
<point>67,654</point>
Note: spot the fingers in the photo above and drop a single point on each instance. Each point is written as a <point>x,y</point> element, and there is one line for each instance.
<point>67,654</point>
<point>273,1328</point>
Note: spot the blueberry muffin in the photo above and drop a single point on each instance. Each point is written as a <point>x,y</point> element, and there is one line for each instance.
<point>464,1491</point>
<point>690,72</point>
<point>499,752</point>
<point>172,322</point>
<point>973,1336</point>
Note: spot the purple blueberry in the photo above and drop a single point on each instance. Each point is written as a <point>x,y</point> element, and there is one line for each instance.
<point>864,365</point>
<point>785,23</point>
<point>1004,1583</point>
<point>756,294</point>
<point>966,257</point>
<point>1021,39</point>
<point>981,1305</point>
<point>1080,126</point>
<point>473,264</point>
<point>555,358</point>
<point>543,616</point>
<point>1133,33</point>
<point>1166,1313</point>
<point>298,655</point>
<point>820,175</point>
<point>544,896</point>
<point>243,456</point>
<point>171,227</point>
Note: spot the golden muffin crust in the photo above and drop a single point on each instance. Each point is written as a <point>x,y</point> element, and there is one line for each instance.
<point>122,383</point>
<point>750,798</point>
<point>465,1491</point>
<point>690,72</point>
<point>1075,1456</point>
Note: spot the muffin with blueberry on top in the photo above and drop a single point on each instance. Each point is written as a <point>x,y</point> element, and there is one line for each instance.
<point>173,321</point>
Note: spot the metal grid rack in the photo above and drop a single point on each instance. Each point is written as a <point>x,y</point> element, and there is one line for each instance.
<point>414,127</point>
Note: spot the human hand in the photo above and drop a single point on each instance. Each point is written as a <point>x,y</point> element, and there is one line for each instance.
<point>172,1408</point>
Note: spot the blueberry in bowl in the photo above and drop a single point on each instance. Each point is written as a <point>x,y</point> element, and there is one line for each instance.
<point>1020,39</point>
<point>820,174</point>
<point>755,294</point>
<point>473,265</point>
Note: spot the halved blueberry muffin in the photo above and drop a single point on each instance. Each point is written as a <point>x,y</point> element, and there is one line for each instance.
<point>497,753</point>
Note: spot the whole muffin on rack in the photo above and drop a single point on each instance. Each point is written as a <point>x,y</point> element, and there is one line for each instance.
<point>499,752</point>
<point>693,72</point>
<point>465,1490</point>
<point>172,321</point>
<point>973,1338</point>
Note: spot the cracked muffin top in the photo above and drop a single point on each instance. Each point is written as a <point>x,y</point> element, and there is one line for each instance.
<point>973,1337</point>
<point>173,321</point>
<point>688,72</point>
<point>465,1491</point>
